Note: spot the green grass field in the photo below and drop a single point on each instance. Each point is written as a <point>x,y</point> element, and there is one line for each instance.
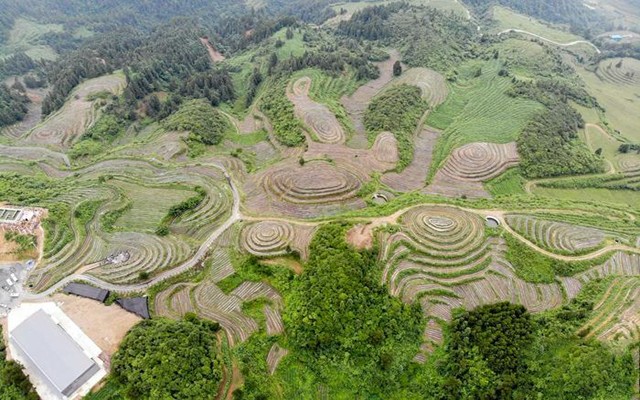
<point>618,197</point>
<point>149,205</point>
<point>507,19</point>
<point>24,36</point>
<point>479,110</point>
<point>292,47</point>
<point>511,182</point>
<point>621,102</point>
<point>444,5</point>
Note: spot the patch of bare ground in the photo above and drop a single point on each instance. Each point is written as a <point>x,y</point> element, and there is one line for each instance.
<point>105,325</point>
<point>236,380</point>
<point>357,103</point>
<point>63,127</point>
<point>360,236</point>
<point>8,249</point>
<point>214,54</point>
<point>288,262</point>
<point>415,175</point>
<point>470,165</point>
<point>317,117</point>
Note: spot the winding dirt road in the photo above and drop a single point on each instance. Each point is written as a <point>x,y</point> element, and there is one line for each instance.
<point>185,266</point>
<point>552,41</point>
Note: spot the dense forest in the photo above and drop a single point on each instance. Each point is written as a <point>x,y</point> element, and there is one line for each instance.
<point>334,314</point>
<point>13,104</point>
<point>549,145</point>
<point>165,359</point>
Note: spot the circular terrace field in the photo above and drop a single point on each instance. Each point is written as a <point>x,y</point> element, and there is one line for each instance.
<point>267,238</point>
<point>315,182</point>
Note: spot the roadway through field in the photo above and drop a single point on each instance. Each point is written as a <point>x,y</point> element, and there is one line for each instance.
<point>237,216</point>
<point>552,41</point>
<point>187,265</point>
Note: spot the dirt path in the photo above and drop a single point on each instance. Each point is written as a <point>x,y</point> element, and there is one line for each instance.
<point>552,41</point>
<point>185,266</point>
<point>214,54</point>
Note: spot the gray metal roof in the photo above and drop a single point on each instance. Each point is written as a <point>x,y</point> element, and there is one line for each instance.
<point>88,291</point>
<point>53,352</point>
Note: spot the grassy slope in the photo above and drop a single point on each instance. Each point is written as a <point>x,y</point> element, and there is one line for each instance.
<point>621,102</point>
<point>479,110</point>
<point>507,19</point>
<point>24,37</point>
<point>149,205</point>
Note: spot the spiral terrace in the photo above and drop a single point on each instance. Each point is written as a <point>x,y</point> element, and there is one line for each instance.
<point>316,116</point>
<point>267,238</point>
<point>480,161</point>
<point>443,229</point>
<point>316,182</point>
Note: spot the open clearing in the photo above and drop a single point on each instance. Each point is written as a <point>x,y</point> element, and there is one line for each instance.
<point>507,19</point>
<point>25,35</point>
<point>105,325</point>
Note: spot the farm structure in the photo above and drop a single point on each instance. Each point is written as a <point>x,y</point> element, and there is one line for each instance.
<point>87,291</point>
<point>61,361</point>
<point>135,305</point>
<point>24,220</point>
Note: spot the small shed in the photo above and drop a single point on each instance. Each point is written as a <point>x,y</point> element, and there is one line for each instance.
<point>136,305</point>
<point>90,292</point>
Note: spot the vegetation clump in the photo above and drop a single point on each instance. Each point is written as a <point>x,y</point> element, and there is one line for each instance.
<point>337,311</point>
<point>397,110</point>
<point>165,359</point>
<point>13,106</point>
<point>279,109</point>
<point>205,124</point>
<point>178,210</point>
<point>549,145</point>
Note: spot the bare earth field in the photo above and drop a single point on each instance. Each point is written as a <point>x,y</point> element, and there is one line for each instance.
<point>66,125</point>
<point>415,175</point>
<point>105,325</point>
<point>357,103</point>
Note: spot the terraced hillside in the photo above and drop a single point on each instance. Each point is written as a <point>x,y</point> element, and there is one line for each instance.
<point>336,197</point>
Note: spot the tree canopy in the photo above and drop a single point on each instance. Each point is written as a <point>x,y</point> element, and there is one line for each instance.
<point>338,311</point>
<point>164,359</point>
<point>204,123</point>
